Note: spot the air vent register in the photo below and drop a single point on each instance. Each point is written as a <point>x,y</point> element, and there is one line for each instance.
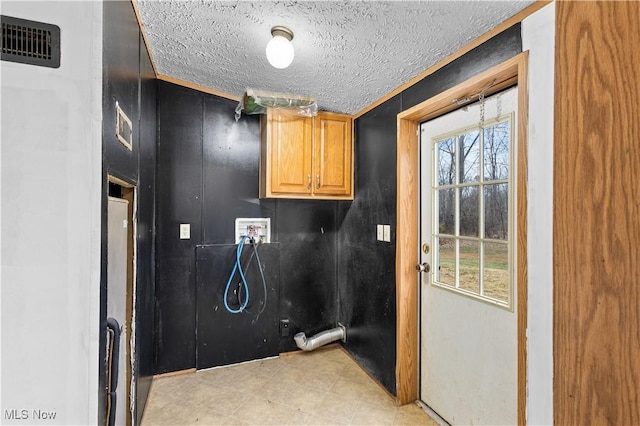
<point>30,42</point>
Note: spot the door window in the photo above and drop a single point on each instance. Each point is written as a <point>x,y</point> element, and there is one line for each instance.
<point>472,201</point>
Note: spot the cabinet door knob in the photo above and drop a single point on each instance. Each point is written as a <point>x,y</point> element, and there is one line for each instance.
<point>317,181</point>
<point>308,181</point>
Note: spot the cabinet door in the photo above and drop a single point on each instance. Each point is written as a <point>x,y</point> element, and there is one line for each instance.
<point>332,155</point>
<point>290,145</point>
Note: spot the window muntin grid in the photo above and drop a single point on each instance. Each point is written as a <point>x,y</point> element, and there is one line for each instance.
<point>472,198</point>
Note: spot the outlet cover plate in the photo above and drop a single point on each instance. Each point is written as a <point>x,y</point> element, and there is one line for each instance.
<point>387,233</point>
<point>185,231</point>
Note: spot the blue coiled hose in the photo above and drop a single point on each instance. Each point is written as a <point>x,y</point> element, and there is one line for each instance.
<point>237,266</point>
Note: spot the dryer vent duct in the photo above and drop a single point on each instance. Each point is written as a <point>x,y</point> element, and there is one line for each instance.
<point>259,101</point>
<point>320,339</point>
<point>30,42</point>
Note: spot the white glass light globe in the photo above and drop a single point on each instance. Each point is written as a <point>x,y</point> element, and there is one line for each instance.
<point>279,52</point>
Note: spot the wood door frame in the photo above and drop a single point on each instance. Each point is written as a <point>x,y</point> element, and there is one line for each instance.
<point>510,72</point>
<point>130,194</point>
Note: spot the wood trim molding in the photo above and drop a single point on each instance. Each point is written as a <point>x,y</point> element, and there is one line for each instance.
<point>596,206</point>
<point>121,182</point>
<point>512,71</point>
<point>519,17</point>
<point>522,235</point>
<point>407,353</point>
<point>175,373</point>
<point>197,87</point>
<point>144,36</point>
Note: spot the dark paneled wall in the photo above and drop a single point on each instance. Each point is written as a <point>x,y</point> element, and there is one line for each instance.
<point>226,338</point>
<point>207,176</point>
<point>179,192</point>
<point>230,156</point>
<point>366,267</point>
<point>121,70</point>
<point>129,80</point>
<point>308,292</point>
<point>145,285</point>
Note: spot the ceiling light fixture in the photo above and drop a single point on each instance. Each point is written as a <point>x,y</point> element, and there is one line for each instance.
<point>279,49</point>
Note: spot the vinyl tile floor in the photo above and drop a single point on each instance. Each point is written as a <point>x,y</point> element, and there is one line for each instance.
<point>324,387</point>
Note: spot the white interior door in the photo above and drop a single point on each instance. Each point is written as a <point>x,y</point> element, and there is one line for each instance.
<point>468,370</point>
<point>117,293</point>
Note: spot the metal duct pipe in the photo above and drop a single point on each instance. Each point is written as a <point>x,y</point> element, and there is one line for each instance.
<point>320,339</point>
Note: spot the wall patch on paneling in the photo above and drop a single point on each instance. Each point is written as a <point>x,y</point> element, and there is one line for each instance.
<point>30,42</point>
<point>124,128</point>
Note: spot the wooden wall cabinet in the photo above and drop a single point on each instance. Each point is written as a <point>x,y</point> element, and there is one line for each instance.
<point>306,157</point>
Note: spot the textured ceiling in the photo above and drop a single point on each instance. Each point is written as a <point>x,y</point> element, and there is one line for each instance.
<point>347,54</point>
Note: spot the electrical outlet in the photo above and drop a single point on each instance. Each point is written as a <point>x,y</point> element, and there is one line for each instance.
<point>185,231</point>
<point>284,327</point>
<point>380,232</point>
<point>386,233</point>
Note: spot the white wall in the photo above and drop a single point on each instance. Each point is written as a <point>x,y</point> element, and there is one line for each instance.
<point>50,160</point>
<point>538,37</point>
